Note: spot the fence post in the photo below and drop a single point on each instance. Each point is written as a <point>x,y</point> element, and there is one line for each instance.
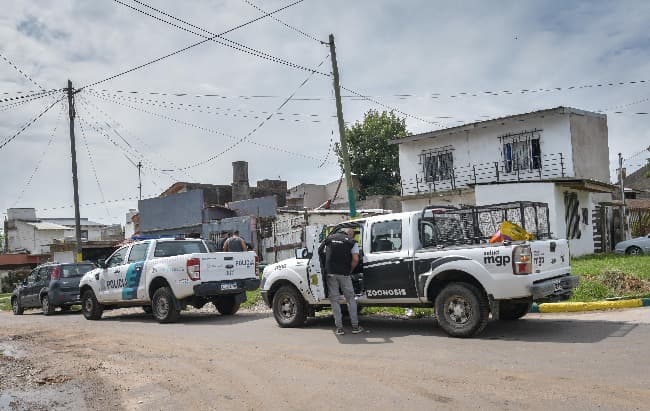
<point>474,173</point>
<point>453,179</point>
<point>417,184</point>
<point>496,168</point>
<point>562,163</point>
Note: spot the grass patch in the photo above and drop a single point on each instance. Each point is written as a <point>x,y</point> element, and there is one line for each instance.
<point>611,275</point>
<point>252,298</point>
<point>5,302</point>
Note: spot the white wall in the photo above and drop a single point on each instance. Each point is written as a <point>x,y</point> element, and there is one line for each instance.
<point>476,146</point>
<point>28,237</point>
<point>553,195</point>
<point>449,198</point>
<point>64,256</point>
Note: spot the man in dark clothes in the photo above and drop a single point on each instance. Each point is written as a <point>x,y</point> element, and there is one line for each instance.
<point>341,255</point>
<point>235,243</point>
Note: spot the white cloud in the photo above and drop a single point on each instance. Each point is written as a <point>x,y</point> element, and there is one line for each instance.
<point>384,48</point>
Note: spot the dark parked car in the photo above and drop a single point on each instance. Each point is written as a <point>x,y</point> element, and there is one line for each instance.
<point>49,286</point>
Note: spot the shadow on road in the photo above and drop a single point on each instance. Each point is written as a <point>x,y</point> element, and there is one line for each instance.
<point>383,330</point>
<point>193,318</point>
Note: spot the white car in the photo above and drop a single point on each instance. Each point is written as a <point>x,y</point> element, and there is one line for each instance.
<point>635,246</point>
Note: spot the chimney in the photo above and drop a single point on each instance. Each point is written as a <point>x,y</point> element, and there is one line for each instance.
<point>240,187</point>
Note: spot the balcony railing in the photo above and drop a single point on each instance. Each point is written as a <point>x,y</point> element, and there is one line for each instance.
<point>550,166</point>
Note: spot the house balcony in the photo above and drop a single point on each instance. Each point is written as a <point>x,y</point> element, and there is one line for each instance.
<point>545,167</point>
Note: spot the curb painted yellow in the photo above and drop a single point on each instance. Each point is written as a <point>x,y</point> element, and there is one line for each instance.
<point>591,306</point>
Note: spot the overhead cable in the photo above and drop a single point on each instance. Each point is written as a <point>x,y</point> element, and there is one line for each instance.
<point>309,36</point>
<point>26,126</point>
<point>187,47</point>
<point>224,41</point>
<point>12,64</point>
<point>94,169</point>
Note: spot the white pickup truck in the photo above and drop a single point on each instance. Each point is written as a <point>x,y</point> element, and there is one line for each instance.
<point>431,258</point>
<point>164,276</point>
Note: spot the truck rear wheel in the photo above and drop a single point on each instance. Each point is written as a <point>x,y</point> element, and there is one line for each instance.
<point>510,311</point>
<point>226,305</point>
<point>90,307</point>
<point>163,306</point>
<point>462,310</point>
<point>289,308</point>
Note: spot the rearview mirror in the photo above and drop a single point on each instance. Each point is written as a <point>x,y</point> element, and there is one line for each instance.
<point>302,253</point>
<point>101,263</point>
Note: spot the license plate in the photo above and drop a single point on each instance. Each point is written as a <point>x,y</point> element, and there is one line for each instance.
<point>228,286</point>
<point>557,285</point>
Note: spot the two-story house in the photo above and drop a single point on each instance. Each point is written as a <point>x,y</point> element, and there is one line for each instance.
<point>559,156</point>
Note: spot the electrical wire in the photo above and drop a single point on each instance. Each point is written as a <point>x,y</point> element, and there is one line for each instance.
<point>312,118</point>
<point>96,203</point>
<point>26,126</point>
<point>12,64</point>
<point>110,118</point>
<point>28,183</point>
<point>205,129</point>
<point>187,47</point>
<point>309,36</point>
<point>93,168</point>
<point>26,100</point>
<point>24,96</point>
<point>259,126</point>
<point>224,41</point>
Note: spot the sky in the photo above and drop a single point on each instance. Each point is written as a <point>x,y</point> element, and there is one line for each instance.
<point>220,102</point>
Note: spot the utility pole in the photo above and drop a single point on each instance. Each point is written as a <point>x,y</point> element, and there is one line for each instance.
<point>75,181</point>
<point>344,144</point>
<point>140,179</point>
<point>622,188</point>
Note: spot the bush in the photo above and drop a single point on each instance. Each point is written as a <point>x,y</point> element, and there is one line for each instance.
<point>591,289</point>
<point>7,284</point>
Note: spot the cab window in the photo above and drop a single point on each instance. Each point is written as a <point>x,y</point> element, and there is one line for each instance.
<point>138,252</point>
<point>386,236</point>
<point>117,258</point>
<point>44,274</point>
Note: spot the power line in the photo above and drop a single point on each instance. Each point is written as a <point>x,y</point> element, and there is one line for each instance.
<point>309,36</point>
<point>205,129</point>
<point>21,103</point>
<point>31,80</point>
<point>94,169</point>
<point>26,126</point>
<point>256,128</point>
<point>40,160</point>
<point>187,47</point>
<point>110,118</point>
<point>226,42</point>
<point>96,203</point>
<point>198,108</point>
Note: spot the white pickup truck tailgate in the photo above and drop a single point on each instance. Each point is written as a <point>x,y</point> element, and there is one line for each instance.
<point>551,257</point>
<point>222,266</point>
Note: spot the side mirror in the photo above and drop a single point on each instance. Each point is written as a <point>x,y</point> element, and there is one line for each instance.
<point>101,263</point>
<point>302,253</point>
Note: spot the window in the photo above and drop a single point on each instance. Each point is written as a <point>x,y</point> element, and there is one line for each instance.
<point>138,252</point>
<point>437,165</point>
<point>522,151</point>
<point>173,248</point>
<point>44,274</point>
<point>386,236</point>
<point>117,258</point>
<point>76,270</point>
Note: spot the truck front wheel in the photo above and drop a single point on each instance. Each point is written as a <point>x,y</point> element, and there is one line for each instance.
<point>163,306</point>
<point>289,308</point>
<point>90,307</point>
<point>510,311</point>
<point>226,305</point>
<point>462,310</point>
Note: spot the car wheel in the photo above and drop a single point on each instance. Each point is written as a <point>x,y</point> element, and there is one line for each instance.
<point>16,307</point>
<point>164,306</point>
<point>289,308</point>
<point>510,311</point>
<point>634,250</point>
<point>90,307</point>
<point>462,310</point>
<point>147,309</point>
<point>48,309</point>
<point>226,305</point>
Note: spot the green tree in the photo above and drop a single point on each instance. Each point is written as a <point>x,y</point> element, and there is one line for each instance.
<point>372,158</point>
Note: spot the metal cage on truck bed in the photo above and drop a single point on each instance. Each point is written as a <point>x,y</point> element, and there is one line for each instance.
<point>476,224</point>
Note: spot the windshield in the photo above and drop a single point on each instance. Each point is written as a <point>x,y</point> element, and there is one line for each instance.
<point>75,270</point>
<point>172,248</point>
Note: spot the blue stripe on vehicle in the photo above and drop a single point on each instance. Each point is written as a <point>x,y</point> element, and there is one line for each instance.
<point>133,274</point>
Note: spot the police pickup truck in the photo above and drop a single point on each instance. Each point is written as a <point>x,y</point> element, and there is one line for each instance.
<point>164,276</point>
<point>440,258</point>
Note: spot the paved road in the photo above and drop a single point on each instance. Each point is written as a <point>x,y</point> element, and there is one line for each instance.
<point>128,361</point>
